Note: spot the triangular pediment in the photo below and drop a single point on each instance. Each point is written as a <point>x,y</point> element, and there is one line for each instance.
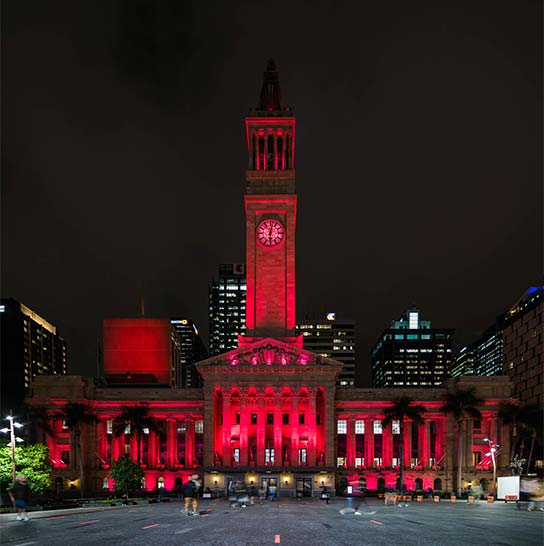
<point>269,353</point>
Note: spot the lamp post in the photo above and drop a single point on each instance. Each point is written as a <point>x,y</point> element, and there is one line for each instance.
<point>13,440</point>
<point>492,450</point>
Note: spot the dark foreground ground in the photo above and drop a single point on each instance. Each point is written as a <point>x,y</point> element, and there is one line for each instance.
<point>287,522</point>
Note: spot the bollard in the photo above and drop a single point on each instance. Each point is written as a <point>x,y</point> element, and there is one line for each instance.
<point>453,498</point>
<point>436,498</point>
<point>490,499</point>
<point>420,498</point>
<point>470,500</point>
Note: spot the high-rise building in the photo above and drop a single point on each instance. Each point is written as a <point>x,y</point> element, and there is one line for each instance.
<point>192,349</point>
<point>227,296</point>
<point>141,351</point>
<point>332,337</point>
<point>484,356</point>
<point>523,346</point>
<point>31,346</point>
<point>412,354</point>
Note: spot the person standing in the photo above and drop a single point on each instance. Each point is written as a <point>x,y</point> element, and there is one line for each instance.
<point>18,495</point>
<point>190,491</point>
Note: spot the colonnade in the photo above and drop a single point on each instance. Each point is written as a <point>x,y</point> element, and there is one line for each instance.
<point>282,140</point>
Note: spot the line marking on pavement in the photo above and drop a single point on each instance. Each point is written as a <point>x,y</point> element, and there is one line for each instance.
<point>277,539</point>
<point>26,543</point>
<point>149,526</point>
<point>56,517</point>
<point>376,522</point>
<point>87,522</point>
<point>183,531</point>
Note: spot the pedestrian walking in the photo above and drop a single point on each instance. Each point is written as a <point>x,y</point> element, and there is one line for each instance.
<point>325,494</point>
<point>190,492</point>
<point>18,495</point>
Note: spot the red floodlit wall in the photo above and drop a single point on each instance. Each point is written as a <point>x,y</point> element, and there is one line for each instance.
<point>138,346</point>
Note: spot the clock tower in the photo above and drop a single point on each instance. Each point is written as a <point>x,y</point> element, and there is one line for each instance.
<point>270,204</point>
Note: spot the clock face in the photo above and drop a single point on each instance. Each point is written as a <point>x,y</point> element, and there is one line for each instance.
<point>270,233</point>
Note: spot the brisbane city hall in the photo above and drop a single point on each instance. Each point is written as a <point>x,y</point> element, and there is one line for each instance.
<point>269,412</point>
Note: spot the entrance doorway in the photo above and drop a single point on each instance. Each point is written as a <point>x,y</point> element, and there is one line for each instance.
<point>267,482</point>
<point>304,487</point>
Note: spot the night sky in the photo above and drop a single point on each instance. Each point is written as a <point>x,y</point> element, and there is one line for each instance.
<point>419,168</point>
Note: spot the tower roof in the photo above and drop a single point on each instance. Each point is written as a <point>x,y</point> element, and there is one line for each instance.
<point>270,92</point>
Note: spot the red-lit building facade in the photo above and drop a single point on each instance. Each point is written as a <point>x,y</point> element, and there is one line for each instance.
<point>270,411</point>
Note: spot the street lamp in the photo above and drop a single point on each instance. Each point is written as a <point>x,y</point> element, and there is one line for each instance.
<point>13,440</point>
<point>492,450</point>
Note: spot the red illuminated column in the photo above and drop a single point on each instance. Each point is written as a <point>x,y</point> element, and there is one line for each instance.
<point>330,427</point>
<point>265,139</point>
<point>227,430</point>
<point>350,448</point>
<point>260,428</point>
<point>171,444</point>
<point>243,428</point>
<point>426,443</point>
<point>387,445</point>
<point>276,151</point>
<point>312,432</point>
<point>408,444</point>
<point>189,442</point>
<point>294,430</point>
<point>277,429</point>
<point>369,443</point>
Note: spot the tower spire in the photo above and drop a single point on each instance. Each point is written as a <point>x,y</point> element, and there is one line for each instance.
<point>270,91</point>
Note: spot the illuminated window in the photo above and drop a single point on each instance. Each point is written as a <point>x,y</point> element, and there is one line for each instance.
<point>236,455</point>
<point>359,427</point>
<point>340,461</point>
<point>199,426</point>
<point>105,483</point>
<point>377,427</point>
<point>395,425</point>
<point>342,426</point>
<point>302,456</point>
<point>181,427</point>
<point>160,483</point>
<point>269,456</point>
<point>359,462</point>
<point>377,461</point>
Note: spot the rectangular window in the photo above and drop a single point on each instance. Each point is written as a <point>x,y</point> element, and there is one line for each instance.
<point>109,426</point>
<point>359,427</point>
<point>342,426</point>
<point>396,462</point>
<point>237,418</point>
<point>253,418</point>
<point>302,456</point>
<point>269,456</point>
<point>181,427</point>
<point>377,427</point>
<point>396,427</point>
<point>377,461</point>
<point>269,418</point>
<point>236,455</point>
<point>285,418</point>
<point>199,426</point>
<point>301,418</point>
<point>359,462</point>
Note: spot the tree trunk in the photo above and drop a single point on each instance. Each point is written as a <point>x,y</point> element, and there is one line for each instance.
<point>138,446</point>
<point>459,455</point>
<point>401,455</point>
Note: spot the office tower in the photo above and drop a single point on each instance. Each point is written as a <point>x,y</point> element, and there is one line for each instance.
<point>31,346</point>
<point>192,350</point>
<point>227,297</point>
<point>140,351</point>
<point>412,354</point>
<point>523,346</point>
<point>332,337</point>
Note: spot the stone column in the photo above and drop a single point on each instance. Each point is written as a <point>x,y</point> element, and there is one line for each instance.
<point>276,151</point>
<point>369,442</point>
<point>277,429</point>
<point>244,422</point>
<point>171,444</point>
<point>265,166</point>
<point>261,428</point>
<point>440,441</point>
<point>211,425</point>
<point>227,449</point>
<point>294,431</point>
<point>350,443</point>
<point>407,444</point>
<point>189,442</point>
<point>330,428</point>
<point>387,445</point>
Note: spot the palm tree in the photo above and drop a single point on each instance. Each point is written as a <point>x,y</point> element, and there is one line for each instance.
<point>76,418</point>
<point>525,424</point>
<point>461,403</point>
<point>138,419</point>
<point>403,408</point>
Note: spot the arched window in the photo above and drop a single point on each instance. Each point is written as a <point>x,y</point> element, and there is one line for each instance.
<point>381,485</point>
<point>253,152</point>
<point>287,152</point>
<point>418,484</point>
<point>160,483</point>
<point>105,483</point>
<point>280,154</point>
<point>437,484</point>
<point>260,165</point>
<point>270,157</point>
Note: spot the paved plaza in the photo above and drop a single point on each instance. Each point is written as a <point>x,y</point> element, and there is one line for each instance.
<point>286,522</point>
